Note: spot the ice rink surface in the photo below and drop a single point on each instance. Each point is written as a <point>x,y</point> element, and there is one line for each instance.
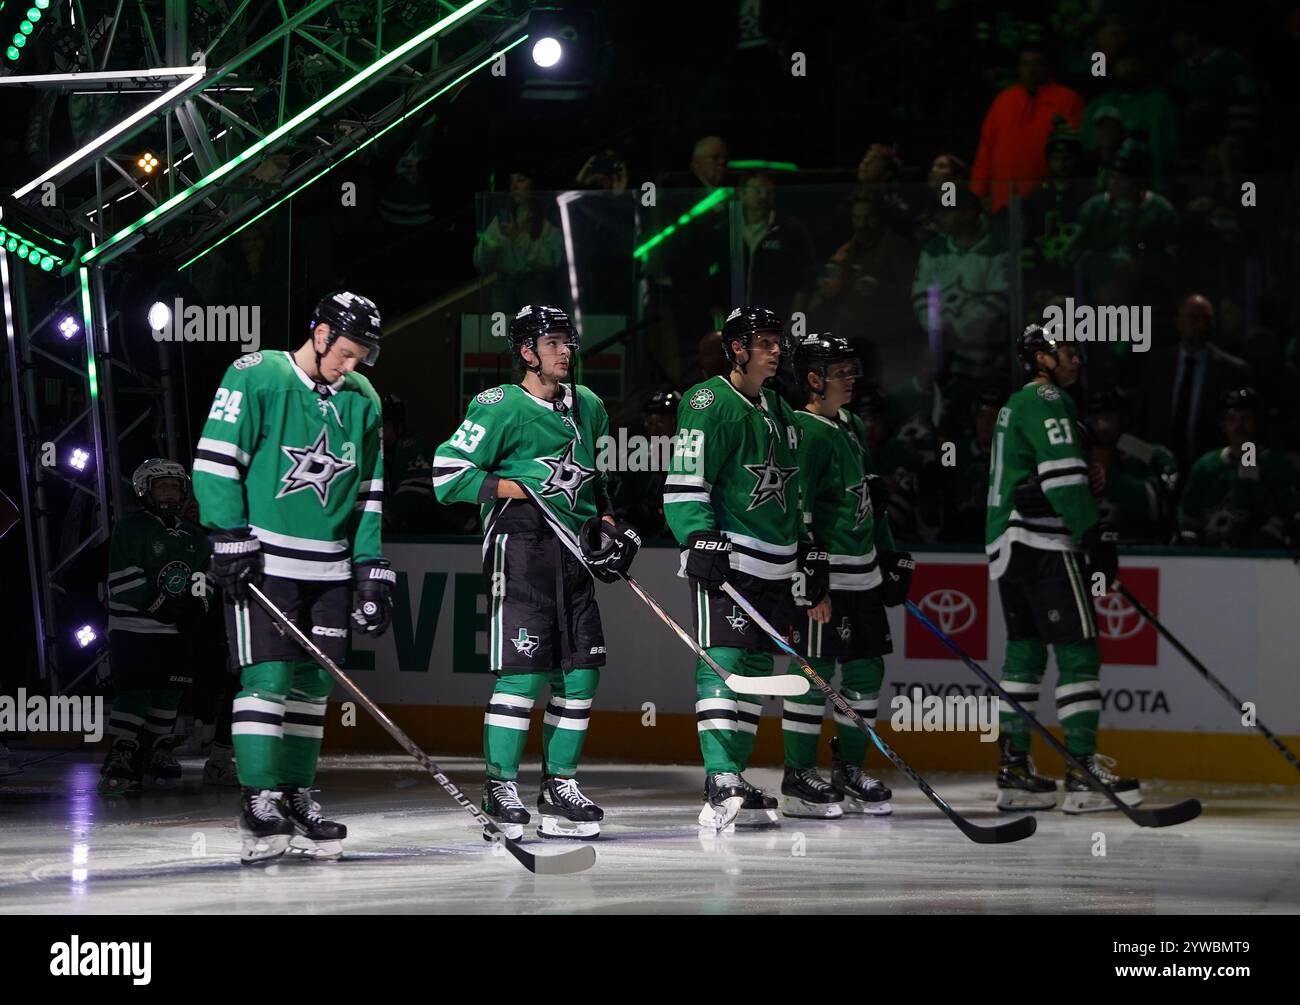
<point>65,850</point>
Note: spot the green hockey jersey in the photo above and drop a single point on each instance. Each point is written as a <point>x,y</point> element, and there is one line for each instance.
<point>1036,434</point>
<point>1230,504</point>
<point>302,467</point>
<point>735,469</point>
<point>833,469</point>
<point>511,433</point>
<point>147,560</point>
<point>1137,486</point>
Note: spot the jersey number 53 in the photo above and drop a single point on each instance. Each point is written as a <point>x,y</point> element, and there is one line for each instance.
<point>467,436</point>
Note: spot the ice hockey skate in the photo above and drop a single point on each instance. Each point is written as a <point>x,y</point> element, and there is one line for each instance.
<point>1080,797</point>
<point>805,794</point>
<point>501,802</point>
<point>566,812</point>
<point>263,827</point>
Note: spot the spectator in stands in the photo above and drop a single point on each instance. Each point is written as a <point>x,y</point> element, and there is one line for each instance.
<point>879,172</point>
<point>1137,480</point>
<point>1108,133</point>
<point>779,266</point>
<point>863,292</point>
<point>604,171</point>
<point>944,169</point>
<point>709,162</point>
<point>959,297</point>
<point>1233,499</point>
<point>411,506</point>
<point>1146,111</point>
<point>524,250</point>
<point>1184,384</point>
<point>1214,85</point>
<point>1015,131</point>
<point>638,496</point>
<point>968,487</point>
<point>904,455</point>
<point>1051,211</point>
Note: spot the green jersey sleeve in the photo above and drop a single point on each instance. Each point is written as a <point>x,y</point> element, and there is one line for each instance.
<point>463,466</point>
<point>1048,424</point>
<point>226,445</point>
<point>368,510</point>
<point>128,583</point>
<point>700,448</point>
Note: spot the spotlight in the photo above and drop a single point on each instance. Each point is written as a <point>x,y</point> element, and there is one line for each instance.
<point>86,635</point>
<point>147,162</point>
<point>78,459</point>
<point>160,316</point>
<point>547,52</point>
<point>68,326</point>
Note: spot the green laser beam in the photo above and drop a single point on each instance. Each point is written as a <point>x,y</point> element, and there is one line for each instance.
<point>703,206</point>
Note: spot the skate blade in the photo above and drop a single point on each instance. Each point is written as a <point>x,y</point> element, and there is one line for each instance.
<point>578,830</point>
<point>316,851</point>
<point>255,851</point>
<point>861,807</point>
<point>758,818</point>
<point>793,806</point>
<point>1013,800</point>
<point>1090,802</point>
<point>512,831</point>
<point>724,819</point>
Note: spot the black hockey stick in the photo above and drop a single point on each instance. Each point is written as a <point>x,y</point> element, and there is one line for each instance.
<point>1200,668</point>
<point>1011,830</point>
<point>789,685</point>
<point>547,865</point>
<point>1163,816</point>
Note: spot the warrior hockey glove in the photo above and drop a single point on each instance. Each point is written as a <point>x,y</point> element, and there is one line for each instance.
<point>236,562</point>
<point>708,559</point>
<point>372,607</point>
<point>1099,543</point>
<point>813,579</point>
<point>896,567</point>
<point>1030,500</point>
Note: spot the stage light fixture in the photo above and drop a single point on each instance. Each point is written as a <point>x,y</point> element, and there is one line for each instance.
<point>547,52</point>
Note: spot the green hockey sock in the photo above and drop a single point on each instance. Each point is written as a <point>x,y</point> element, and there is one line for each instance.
<point>506,721</point>
<point>1078,694</point>
<point>304,724</point>
<point>257,722</point>
<point>862,679</point>
<point>564,727</point>
<point>1021,675</point>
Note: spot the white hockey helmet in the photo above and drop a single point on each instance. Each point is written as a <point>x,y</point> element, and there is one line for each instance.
<point>153,469</point>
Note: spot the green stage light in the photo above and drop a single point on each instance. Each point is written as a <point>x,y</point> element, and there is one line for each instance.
<point>11,244</point>
<point>20,39</point>
<point>33,14</point>
<point>47,263</point>
<point>22,251</point>
<point>26,27</point>
<point>12,53</point>
<point>42,4</point>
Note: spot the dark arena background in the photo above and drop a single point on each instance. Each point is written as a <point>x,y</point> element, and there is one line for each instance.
<point>183,182</point>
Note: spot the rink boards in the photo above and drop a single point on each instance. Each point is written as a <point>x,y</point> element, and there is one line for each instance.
<point>1159,716</point>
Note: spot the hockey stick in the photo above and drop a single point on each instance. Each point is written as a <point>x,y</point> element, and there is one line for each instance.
<point>547,865</point>
<point>1011,830</point>
<point>1200,668</point>
<point>1163,816</point>
<point>788,685</point>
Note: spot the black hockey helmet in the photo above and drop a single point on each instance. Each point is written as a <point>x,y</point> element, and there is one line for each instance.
<point>817,354</point>
<point>534,321</point>
<point>663,402</point>
<point>1240,397</point>
<point>743,324</point>
<point>1030,343</point>
<point>352,316</point>
<point>155,469</point>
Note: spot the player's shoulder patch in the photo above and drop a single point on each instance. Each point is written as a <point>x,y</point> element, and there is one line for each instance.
<point>702,399</point>
<point>244,362</point>
<point>490,397</point>
<point>1049,392</point>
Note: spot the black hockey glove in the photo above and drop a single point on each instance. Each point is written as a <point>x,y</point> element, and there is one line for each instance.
<point>372,606</point>
<point>1099,544</point>
<point>896,567</point>
<point>708,559</point>
<point>608,548</point>
<point>879,493</point>
<point>1030,500</point>
<point>812,580</point>
<point>236,562</point>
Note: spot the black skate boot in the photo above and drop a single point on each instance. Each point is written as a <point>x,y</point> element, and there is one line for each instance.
<point>314,836</point>
<point>121,773</point>
<point>806,794</point>
<point>163,770</point>
<point>1020,787</point>
<point>1081,798</point>
<point>501,802</point>
<point>758,809</point>
<point>566,812</point>
<point>860,792</point>
<point>262,825</point>
<point>724,794</point>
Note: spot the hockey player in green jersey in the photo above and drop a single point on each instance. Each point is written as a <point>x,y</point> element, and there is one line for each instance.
<point>288,476</point>
<point>527,454</point>
<point>156,603</point>
<point>867,573</point>
<point>1041,515</point>
<point>732,502</point>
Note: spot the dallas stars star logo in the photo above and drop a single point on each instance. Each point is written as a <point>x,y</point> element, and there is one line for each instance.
<point>567,476</point>
<point>845,629</point>
<point>769,480</point>
<point>736,620</point>
<point>314,468</point>
<point>525,643</point>
<point>864,502</point>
